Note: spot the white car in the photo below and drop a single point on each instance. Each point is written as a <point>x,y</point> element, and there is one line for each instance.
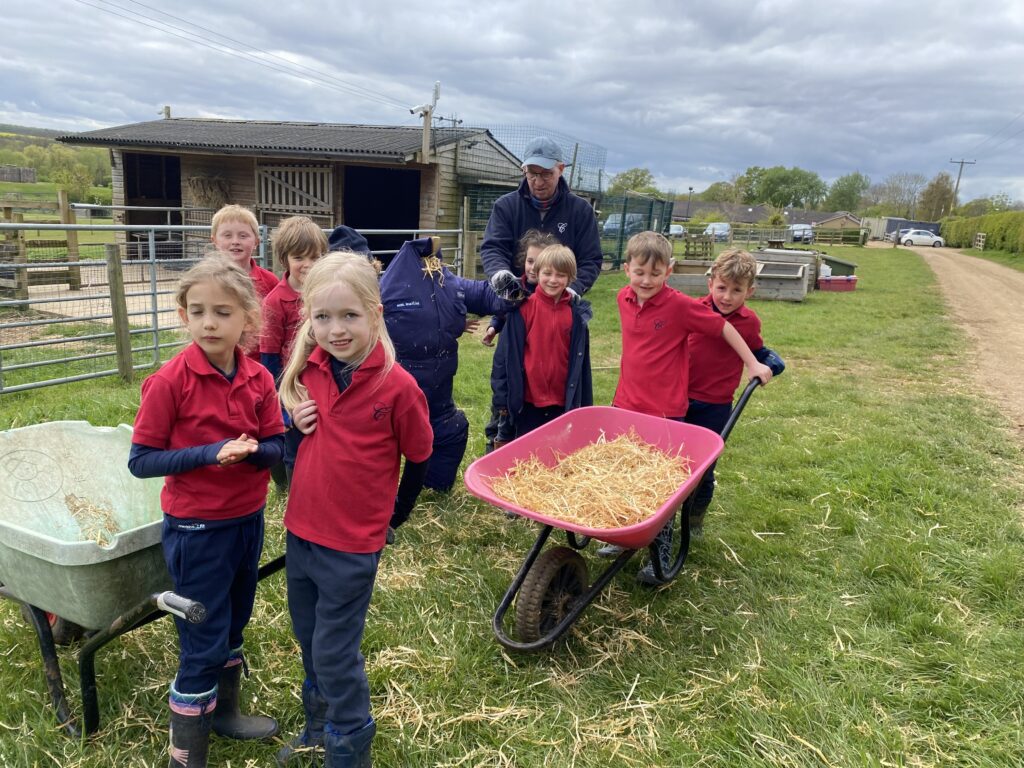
<point>922,237</point>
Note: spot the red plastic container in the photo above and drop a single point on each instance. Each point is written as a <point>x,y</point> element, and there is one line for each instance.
<point>837,283</point>
<point>575,429</point>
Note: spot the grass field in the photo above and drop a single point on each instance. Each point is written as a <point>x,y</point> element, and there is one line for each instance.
<point>1006,258</point>
<point>856,599</point>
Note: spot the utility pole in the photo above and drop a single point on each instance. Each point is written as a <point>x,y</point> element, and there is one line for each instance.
<point>959,173</point>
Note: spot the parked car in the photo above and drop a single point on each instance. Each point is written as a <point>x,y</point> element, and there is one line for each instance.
<point>719,230</point>
<point>923,237</point>
<point>676,230</point>
<point>898,236</point>
<point>635,222</point>
<point>801,233</point>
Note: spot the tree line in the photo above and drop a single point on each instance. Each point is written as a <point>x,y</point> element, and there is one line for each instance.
<point>908,195</point>
<point>75,169</point>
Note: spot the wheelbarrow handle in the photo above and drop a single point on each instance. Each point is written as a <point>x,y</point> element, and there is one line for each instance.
<point>191,611</point>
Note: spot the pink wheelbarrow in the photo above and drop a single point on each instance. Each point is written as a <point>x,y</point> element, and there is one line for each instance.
<point>553,586</point>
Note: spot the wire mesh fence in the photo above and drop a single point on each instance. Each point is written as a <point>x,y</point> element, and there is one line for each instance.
<point>621,217</point>
<point>85,301</point>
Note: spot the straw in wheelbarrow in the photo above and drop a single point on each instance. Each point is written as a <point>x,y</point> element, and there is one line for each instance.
<point>605,484</point>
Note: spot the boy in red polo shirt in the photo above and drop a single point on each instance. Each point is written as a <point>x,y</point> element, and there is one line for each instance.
<point>715,369</point>
<point>657,323</point>
<point>541,366</point>
<point>298,243</point>
<point>235,232</point>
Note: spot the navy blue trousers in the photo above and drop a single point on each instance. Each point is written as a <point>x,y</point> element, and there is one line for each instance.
<point>218,565</point>
<point>328,596</point>
<point>712,416</point>
<point>451,433</point>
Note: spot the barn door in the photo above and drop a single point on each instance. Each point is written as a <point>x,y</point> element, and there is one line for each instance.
<point>289,190</point>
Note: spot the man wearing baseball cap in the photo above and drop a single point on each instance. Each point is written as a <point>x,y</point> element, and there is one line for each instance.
<point>543,201</point>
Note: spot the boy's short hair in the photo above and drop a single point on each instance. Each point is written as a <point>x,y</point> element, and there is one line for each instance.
<point>235,213</point>
<point>559,258</point>
<point>533,238</point>
<point>649,246</point>
<point>735,266</point>
<point>298,236</point>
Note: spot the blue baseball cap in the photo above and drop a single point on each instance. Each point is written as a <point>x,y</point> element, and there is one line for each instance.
<point>344,238</point>
<point>544,152</point>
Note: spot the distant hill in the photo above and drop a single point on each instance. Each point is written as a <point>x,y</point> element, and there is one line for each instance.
<point>41,133</point>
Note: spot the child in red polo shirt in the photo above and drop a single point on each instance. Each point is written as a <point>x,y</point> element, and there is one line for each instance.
<point>541,366</point>
<point>211,424</point>
<point>359,413</point>
<point>298,243</point>
<point>235,232</point>
<point>715,369</point>
<point>657,324</point>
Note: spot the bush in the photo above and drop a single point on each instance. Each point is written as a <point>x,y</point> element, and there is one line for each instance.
<point>1003,231</point>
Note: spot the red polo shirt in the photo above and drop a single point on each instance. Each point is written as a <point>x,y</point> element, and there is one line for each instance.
<point>655,361</point>
<point>262,279</point>
<point>546,354</point>
<point>282,316</point>
<point>187,403</point>
<point>715,368</point>
<point>343,489</point>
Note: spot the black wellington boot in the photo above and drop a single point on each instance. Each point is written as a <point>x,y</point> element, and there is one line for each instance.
<point>312,736</point>
<point>190,740</point>
<point>351,750</point>
<point>228,720</point>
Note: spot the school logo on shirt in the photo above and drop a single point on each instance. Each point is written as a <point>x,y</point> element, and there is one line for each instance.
<point>380,410</point>
<point>659,324</point>
<point>561,226</point>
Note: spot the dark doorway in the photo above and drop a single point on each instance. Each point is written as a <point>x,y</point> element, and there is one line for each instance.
<point>153,180</point>
<point>382,198</point>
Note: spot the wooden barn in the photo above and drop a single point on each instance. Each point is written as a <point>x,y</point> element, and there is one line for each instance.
<point>365,176</point>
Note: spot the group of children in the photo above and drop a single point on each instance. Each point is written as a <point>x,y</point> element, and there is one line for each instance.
<point>211,422</point>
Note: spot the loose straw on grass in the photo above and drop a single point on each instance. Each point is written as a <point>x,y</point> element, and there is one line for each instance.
<point>606,484</point>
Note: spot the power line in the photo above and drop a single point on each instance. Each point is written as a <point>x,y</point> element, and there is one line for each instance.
<point>292,70</point>
<point>986,141</point>
<point>367,92</point>
<point>1008,138</point>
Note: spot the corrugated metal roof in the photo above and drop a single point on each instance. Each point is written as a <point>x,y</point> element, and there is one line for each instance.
<point>257,136</point>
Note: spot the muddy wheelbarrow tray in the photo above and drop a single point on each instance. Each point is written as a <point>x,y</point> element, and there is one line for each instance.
<point>554,585</point>
<point>80,541</point>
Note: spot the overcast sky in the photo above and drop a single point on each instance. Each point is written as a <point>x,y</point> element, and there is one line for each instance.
<point>694,94</point>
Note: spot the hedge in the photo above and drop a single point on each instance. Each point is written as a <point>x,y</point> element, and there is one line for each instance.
<point>1003,231</point>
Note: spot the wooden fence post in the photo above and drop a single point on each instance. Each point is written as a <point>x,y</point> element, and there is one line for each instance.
<point>469,254</point>
<point>20,257</point>
<point>119,310</point>
<point>67,216</point>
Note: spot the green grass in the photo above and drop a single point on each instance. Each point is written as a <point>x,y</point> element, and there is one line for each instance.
<point>1006,258</point>
<point>47,191</point>
<point>856,599</point>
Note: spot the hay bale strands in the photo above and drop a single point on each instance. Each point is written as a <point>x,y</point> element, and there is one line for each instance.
<point>606,484</point>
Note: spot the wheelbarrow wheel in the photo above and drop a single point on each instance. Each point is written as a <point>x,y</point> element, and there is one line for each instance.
<point>64,632</point>
<point>557,579</point>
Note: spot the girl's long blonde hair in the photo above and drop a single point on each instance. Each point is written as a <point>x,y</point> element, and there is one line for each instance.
<point>356,272</point>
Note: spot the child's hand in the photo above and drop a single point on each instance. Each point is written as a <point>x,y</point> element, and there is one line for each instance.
<point>763,372</point>
<point>472,325</point>
<point>304,416</point>
<point>489,334</point>
<point>234,451</point>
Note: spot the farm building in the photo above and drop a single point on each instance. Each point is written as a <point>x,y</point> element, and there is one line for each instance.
<point>366,176</point>
<point>840,220</point>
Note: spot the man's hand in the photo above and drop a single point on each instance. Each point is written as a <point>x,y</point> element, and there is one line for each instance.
<point>506,285</point>
<point>489,334</point>
<point>304,416</point>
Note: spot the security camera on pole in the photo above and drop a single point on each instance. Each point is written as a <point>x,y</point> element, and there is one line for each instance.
<point>426,111</point>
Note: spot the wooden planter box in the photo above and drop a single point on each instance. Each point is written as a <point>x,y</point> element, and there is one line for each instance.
<point>691,277</point>
<point>781,281</point>
<point>793,256</point>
